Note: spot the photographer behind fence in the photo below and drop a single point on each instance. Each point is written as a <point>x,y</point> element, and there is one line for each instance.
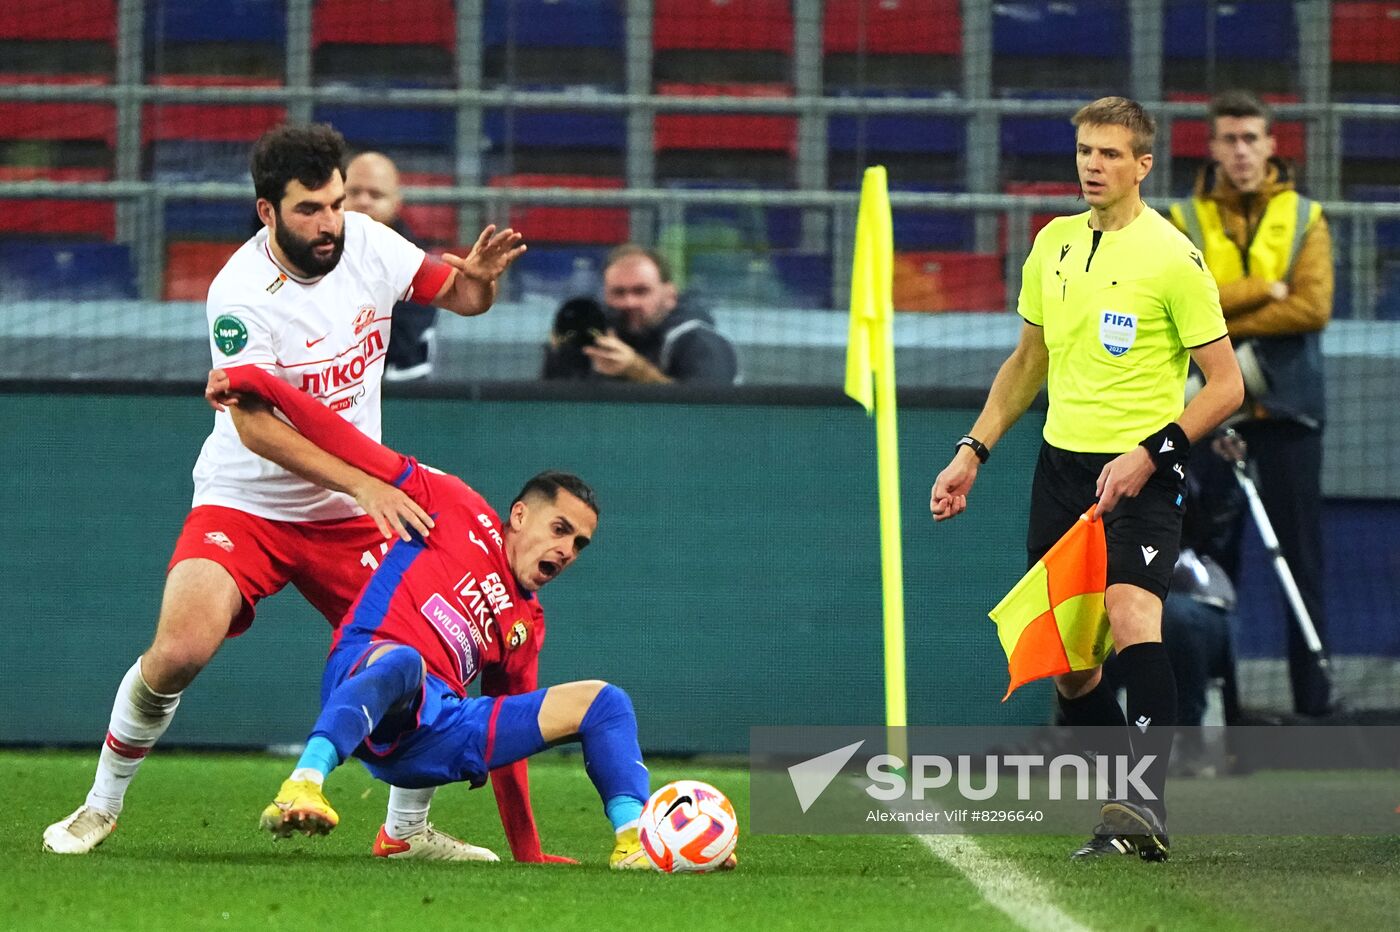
<point>648,332</point>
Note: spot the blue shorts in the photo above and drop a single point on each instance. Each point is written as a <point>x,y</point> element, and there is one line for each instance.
<point>442,737</point>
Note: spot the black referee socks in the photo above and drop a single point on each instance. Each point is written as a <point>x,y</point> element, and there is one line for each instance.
<point>1146,671</point>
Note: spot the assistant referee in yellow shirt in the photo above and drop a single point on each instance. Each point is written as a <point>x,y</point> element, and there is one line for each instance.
<point>1114,300</point>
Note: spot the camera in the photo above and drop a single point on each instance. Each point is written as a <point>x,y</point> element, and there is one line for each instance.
<point>579,322</point>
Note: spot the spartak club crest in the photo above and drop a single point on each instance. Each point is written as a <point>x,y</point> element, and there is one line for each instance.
<point>364,318</point>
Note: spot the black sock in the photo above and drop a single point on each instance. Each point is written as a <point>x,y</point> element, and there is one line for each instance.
<point>1098,723</point>
<point>1147,673</point>
<point>1099,706</point>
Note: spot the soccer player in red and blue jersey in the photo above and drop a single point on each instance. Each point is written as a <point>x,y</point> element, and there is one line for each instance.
<point>437,613</point>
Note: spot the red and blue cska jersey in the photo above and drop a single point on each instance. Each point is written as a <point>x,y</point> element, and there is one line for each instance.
<point>452,597</point>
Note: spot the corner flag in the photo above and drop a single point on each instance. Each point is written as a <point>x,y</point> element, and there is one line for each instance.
<point>870,381</point>
<point>1053,620</point>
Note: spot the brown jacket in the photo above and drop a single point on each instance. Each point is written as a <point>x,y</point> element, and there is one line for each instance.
<point>1249,311</point>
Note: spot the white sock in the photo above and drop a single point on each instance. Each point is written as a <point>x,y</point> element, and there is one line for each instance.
<point>311,774</point>
<point>408,811</point>
<point>140,716</point>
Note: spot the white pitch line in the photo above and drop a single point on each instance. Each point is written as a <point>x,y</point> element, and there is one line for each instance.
<point>1019,897</point>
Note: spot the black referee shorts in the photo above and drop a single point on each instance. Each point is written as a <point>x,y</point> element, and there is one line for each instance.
<point>1144,533</point>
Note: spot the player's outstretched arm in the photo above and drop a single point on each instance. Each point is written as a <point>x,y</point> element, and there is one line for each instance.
<point>471,289</point>
<point>511,783</point>
<point>320,446</point>
<point>1015,387</point>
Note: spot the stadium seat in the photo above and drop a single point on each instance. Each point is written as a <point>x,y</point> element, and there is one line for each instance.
<point>1238,44</point>
<point>1369,149</point>
<point>376,42</point>
<point>717,41</point>
<point>217,37</point>
<point>915,149</point>
<point>571,142</point>
<point>1037,149</point>
<point>1038,220</point>
<point>948,281</point>
<point>384,22</point>
<point>547,223</point>
<point>58,217</point>
<point>385,127</point>
<point>1366,50</point>
<point>60,40</point>
<point>209,122</point>
<point>65,270</point>
<point>1088,37</point>
<point>548,44</point>
<point>191,266</point>
<point>59,122</point>
<point>430,225</point>
<point>557,273</point>
<point>805,278</point>
<point>888,44</point>
<point>208,220</point>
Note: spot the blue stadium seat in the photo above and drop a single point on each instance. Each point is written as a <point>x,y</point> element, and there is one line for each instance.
<point>556,129</point>
<point>1081,29</point>
<point>551,24</point>
<point>65,270</point>
<point>1370,139</point>
<point>392,126</point>
<point>214,220</point>
<point>1053,136</point>
<point>1245,31</point>
<point>218,21</point>
<point>892,133</point>
<point>805,277</point>
<point>198,160</point>
<point>1388,304</point>
<point>557,272</point>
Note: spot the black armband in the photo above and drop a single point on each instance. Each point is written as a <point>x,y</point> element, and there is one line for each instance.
<point>1168,447</point>
<point>978,447</point>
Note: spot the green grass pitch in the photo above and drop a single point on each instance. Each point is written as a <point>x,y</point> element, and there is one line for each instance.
<point>188,855</point>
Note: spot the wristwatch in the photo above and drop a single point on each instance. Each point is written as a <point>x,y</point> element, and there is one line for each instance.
<point>978,447</point>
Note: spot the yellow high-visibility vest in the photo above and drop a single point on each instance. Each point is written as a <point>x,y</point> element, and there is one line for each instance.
<point>1271,252</point>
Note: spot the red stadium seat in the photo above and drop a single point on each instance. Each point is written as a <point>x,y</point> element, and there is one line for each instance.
<point>36,77</point>
<point>385,22</point>
<point>733,132</point>
<point>1042,189</point>
<point>210,122</point>
<point>430,224</point>
<point>45,173</point>
<point>71,20</point>
<point>1366,32</point>
<point>1191,138</point>
<point>686,89</point>
<point>605,226</point>
<point>190,267</point>
<point>723,25</point>
<point>66,122</point>
<point>948,281</point>
<point>58,217</point>
<point>893,27</point>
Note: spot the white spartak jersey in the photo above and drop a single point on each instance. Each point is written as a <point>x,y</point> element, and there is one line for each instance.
<point>327,336</point>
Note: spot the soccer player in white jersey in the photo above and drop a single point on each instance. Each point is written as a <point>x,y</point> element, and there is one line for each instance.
<point>309,298</point>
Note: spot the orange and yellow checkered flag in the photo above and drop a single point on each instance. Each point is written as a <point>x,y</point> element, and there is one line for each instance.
<point>1053,620</point>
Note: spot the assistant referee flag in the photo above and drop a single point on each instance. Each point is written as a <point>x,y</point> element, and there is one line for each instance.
<point>1053,620</point>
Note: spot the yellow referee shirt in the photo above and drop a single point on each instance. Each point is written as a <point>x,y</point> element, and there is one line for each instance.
<point>1120,310</point>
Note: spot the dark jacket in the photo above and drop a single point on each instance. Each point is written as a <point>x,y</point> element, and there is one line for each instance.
<point>686,347</point>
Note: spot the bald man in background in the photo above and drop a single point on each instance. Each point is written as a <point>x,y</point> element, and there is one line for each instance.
<point>372,187</point>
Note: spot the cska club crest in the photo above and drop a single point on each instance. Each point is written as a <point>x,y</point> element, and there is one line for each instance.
<point>519,634</point>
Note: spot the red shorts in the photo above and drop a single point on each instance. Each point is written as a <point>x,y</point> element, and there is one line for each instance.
<point>328,561</point>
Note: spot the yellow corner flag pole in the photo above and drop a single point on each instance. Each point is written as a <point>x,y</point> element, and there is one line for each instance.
<point>870,381</point>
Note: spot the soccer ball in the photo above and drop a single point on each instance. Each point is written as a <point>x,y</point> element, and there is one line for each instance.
<point>688,827</point>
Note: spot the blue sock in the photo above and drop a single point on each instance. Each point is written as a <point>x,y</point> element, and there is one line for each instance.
<point>320,755</point>
<point>612,756</point>
<point>358,704</point>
